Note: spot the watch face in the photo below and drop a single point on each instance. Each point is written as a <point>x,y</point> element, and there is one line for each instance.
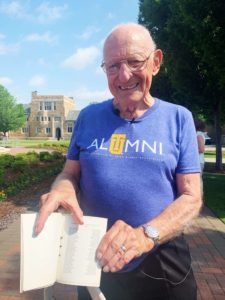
<point>151,232</point>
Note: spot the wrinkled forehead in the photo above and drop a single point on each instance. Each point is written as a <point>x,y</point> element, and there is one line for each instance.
<point>121,44</point>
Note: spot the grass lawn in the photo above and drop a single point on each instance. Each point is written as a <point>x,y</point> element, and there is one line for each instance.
<point>212,154</point>
<point>33,143</point>
<point>214,193</point>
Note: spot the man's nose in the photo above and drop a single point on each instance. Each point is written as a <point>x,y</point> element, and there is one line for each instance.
<point>124,72</point>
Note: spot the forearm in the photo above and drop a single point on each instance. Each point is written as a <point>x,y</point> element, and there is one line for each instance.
<point>173,220</point>
<point>66,182</point>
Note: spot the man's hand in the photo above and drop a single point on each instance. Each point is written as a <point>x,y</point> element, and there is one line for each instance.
<point>52,201</point>
<point>63,193</point>
<point>120,245</point>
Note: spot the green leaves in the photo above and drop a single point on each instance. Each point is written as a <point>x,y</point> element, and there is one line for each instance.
<point>192,36</point>
<point>12,115</point>
<point>22,170</point>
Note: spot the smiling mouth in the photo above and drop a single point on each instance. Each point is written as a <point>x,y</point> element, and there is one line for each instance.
<point>128,87</point>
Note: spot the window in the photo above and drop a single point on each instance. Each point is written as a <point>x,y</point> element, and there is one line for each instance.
<point>37,119</point>
<point>41,105</point>
<point>54,105</point>
<point>44,119</point>
<point>37,130</point>
<point>70,127</point>
<point>48,130</point>
<point>48,105</point>
<point>24,130</point>
<point>57,119</point>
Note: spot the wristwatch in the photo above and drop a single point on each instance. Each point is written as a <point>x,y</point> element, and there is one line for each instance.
<point>152,233</point>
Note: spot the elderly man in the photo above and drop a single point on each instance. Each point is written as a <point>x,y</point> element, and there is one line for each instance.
<point>135,161</point>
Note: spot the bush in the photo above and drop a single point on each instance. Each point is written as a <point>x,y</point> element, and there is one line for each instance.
<point>32,155</point>
<point>34,176</point>
<point>20,164</point>
<point>57,155</point>
<point>60,146</point>
<point>6,160</point>
<point>2,195</point>
<point>17,172</point>
<point>45,156</point>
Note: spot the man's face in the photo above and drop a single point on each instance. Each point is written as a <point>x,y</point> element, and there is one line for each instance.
<point>126,86</point>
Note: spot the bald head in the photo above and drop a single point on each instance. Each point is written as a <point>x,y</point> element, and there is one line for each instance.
<point>131,34</point>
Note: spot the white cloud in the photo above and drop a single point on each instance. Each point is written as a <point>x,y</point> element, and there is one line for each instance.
<point>82,58</point>
<point>99,71</point>
<point>47,13</point>
<point>5,81</point>
<point>13,9</point>
<point>44,13</point>
<point>89,31</point>
<point>8,48</point>
<point>37,80</point>
<point>46,37</point>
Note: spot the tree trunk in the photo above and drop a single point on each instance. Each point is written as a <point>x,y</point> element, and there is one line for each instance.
<point>218,135</point>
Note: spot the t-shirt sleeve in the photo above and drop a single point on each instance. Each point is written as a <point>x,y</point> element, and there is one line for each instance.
<point>188,161</point>
<point>73,152</point>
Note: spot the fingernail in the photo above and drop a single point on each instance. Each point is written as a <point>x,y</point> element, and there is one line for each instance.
<point>106,269</point>
<point>36,231</point>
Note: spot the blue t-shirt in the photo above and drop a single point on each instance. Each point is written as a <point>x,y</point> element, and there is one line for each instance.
<point>128,168</point>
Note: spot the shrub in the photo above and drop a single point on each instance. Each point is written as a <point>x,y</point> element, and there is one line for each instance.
<point>20,165</point>
<point>2,172</point>
<point>32,176</point>
<point>32,158</point>
<point>17,172</point>
<point>6,160</point>
<point>45,156</point>
<point>57,155</point>
<point>2,195</point>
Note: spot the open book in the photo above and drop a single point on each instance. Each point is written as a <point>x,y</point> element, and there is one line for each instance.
<point>63,252</point>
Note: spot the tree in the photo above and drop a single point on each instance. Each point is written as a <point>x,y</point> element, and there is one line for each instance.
<point>12,115</point>
<point>191,34</point>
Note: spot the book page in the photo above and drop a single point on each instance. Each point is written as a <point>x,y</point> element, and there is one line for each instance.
<point>77,263</point>
<point>39,254</point>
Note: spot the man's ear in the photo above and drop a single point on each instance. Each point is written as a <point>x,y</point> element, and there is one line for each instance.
<point>157,60</point>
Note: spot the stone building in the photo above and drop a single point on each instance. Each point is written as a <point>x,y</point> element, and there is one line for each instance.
<point>48,116</point>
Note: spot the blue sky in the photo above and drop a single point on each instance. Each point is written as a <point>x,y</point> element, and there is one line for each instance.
<point>55,47</point>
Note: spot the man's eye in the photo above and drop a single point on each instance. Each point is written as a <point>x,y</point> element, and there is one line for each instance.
<point>113,66</point>
<point>134,62</point>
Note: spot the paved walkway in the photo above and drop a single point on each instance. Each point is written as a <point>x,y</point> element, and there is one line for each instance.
<point>206,237</point>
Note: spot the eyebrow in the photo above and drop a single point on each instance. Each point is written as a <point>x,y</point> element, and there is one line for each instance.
<point>132,56</point>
